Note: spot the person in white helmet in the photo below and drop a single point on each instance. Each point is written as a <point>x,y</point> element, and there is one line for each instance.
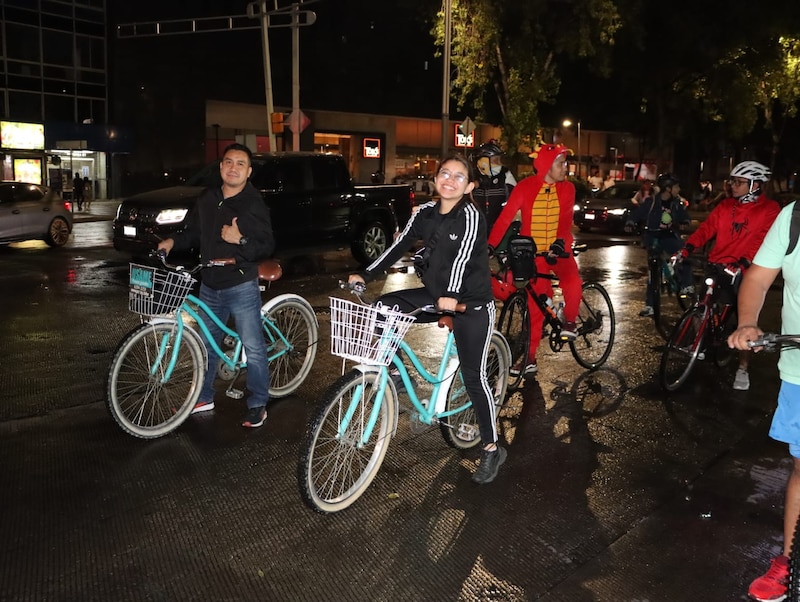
<point>738,224</point>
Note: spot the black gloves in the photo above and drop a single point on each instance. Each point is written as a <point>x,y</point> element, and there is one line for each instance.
<point>559,248</point>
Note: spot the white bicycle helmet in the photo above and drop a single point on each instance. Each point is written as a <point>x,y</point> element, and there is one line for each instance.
<point>753,171</point>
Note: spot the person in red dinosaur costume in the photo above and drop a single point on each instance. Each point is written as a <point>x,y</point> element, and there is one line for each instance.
<point>546,202</point>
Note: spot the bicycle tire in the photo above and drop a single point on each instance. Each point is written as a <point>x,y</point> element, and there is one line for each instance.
<point>333,471</point>
<point>597,327</point>
<point>668,304</point>
<point>295,319</point>
<point>724,355</point>
<point>515,326</point>
<point>461,430</point>
<point>683,348</point>
<point>140,404</point>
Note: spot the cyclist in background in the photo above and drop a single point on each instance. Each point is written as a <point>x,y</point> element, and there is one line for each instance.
<point>546,201</point>
<point>495,181</point>
<point>664,217</point>
<point>769,261</point>
<point>738,225</point>
<point>454,269</point>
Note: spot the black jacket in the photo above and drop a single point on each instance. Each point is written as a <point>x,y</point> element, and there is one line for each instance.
<point>204,231</point>
<point>458,265</point>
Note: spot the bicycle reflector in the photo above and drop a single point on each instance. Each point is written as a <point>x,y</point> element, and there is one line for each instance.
<point>521,254</point>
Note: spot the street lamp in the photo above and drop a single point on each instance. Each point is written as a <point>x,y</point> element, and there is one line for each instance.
<point>567,123</point>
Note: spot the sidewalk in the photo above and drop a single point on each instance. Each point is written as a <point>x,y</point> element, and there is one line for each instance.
<point>100,210</point>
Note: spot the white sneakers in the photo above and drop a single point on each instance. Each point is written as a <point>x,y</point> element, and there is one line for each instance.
<point>742,380</point>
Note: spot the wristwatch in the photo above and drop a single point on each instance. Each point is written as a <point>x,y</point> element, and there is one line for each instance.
<point>242,241</point>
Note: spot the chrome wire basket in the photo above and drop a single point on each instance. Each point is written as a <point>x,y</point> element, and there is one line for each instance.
<point>157,292</point>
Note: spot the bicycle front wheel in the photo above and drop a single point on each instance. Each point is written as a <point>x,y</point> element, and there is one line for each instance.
<point>461,430</point>
<point>683,348</point>
<point>668,304</point>
<point>515,327</point>
<point>292,354</point>
<point>597,326</point>
<point>724,355</point>
<point>339,461</point>
<point>139,397</point>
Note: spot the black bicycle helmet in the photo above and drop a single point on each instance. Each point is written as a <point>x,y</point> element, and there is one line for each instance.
<point>489,149</point>
<point>665,180</point>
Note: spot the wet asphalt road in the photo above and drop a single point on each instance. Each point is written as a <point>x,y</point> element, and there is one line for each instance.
<point>612,490</point>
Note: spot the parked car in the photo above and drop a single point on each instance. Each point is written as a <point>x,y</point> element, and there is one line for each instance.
<point>606,210</point>
<point>33,212</point>
<point>311,198</point>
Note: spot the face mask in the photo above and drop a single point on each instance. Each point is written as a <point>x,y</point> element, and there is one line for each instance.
<point>494,170</point>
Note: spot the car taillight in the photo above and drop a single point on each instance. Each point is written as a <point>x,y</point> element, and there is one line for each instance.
<point>67,206</point>
<point>413,198</point>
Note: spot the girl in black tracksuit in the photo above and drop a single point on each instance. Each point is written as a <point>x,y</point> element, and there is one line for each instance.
<point>456,270</point>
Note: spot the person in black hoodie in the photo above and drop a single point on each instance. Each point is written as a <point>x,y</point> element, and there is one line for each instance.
<point>232,221</point>
<point>456,270</point>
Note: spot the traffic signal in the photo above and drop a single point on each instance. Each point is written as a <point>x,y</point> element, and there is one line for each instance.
<point>277,123</point>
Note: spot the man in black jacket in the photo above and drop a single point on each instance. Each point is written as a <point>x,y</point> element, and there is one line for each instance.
<point>232,221</point>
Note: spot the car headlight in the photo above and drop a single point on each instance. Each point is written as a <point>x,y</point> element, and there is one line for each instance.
<point>171,216</point>
<point>617,211</point>
<point>576,208</point>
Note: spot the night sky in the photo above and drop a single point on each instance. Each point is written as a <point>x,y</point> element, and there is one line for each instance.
<point>360,56</point>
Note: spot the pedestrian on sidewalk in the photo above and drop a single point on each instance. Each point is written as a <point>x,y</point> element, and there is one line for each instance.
<point>77,191</point>
<point>88,194</point>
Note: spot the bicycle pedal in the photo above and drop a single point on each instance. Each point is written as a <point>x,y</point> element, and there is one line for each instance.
<point>467,432</point>
<point>234,393</point>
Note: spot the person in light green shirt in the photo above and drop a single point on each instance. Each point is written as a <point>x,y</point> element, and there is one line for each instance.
<point>770,260</point>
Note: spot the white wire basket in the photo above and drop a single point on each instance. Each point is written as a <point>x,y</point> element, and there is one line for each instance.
<point>157,292</point>
<point>366,334</point>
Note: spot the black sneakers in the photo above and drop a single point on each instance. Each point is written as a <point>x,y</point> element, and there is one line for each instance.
<point>489,465</point>
<point>255,417</point>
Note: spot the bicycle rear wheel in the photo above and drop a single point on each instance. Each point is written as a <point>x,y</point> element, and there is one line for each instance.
<point>596,327</point>
<point>336,465</point>
<point>514,325</point>
<point>683,349</point>
<point>138,398</point>
<point>461,430</point>
<point>291,359</point>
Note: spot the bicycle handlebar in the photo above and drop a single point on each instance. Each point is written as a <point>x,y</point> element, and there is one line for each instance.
<point>359,289</point>
<point>772,341</point>
<point>161,255</point>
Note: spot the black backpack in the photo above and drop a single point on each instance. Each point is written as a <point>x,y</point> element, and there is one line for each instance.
<point>794,228</point>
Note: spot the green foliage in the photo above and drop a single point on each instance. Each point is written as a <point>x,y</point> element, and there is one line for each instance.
<point>504,54</point>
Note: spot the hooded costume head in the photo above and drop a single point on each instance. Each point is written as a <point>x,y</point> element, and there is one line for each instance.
<point>545,155</point>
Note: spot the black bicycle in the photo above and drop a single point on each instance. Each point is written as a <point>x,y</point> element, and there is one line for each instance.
<point>669,302</point>
<point>596,323</point>
<point>702,331</point>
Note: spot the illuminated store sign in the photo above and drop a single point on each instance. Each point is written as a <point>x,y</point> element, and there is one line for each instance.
<point>14,134</point>
<point>372,148</point>
<point>463,140</point>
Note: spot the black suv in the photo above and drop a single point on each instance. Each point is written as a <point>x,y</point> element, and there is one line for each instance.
<point>311,198</point>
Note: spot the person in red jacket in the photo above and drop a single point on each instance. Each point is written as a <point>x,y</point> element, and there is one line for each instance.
<point>738,224</point>
<point>546,201</point>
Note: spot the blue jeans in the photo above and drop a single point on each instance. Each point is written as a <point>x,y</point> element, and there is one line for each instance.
<point>243,302</point>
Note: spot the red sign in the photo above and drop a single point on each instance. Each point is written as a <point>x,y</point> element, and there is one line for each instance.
<point>372,148</point>
<point>464,140</point>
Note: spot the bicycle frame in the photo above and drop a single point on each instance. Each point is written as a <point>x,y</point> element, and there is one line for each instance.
<point>427,413</point>
<point>190,307</point>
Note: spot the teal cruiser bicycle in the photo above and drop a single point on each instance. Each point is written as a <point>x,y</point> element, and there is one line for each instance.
<point>348,435</point>
<point>158,369</point>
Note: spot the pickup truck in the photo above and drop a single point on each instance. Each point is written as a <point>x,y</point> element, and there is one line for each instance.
<point>311,198</point>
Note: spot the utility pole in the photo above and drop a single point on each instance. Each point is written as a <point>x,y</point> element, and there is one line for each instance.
<point>268,18</point>
<point>446,76</point>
